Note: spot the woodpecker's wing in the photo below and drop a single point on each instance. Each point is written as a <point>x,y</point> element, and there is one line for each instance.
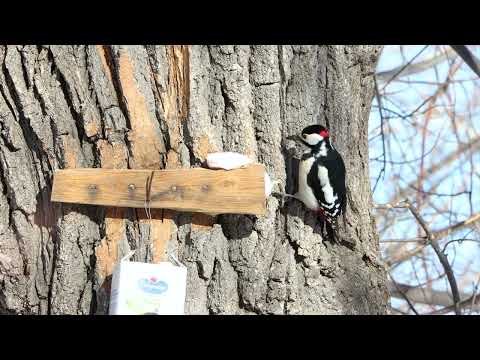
<point>338,179</point>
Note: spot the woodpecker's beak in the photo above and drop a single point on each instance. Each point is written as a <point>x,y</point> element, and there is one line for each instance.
<point>297,138</point>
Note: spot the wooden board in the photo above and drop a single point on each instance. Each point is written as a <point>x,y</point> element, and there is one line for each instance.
<point>240,191</point>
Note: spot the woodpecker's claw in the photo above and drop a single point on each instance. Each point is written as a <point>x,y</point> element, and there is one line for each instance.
<point>283,195</point>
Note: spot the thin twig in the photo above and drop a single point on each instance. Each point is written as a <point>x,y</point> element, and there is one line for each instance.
<point>399,205</point>
<point>472,146</point>
<point>382,132</point>
<point>404,296</point>
<point>405,66</point>
<point>413,240</point>
<point>460,225</point>
<point>459,241</point>
<point>439,194</point>
<point>474,297</point>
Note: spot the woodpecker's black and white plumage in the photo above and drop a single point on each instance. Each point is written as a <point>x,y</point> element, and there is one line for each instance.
<point>321,175</point>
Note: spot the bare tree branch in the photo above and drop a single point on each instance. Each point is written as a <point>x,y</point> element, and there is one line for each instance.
<point>458,226</point>
<point>421,239</point>
<point>399,205</point>
<point>472,302</point>
<point>468,57</point>
<point>400,255</point>
<point>414,68</point>
<point>404,296</point>
<point>431,297</point>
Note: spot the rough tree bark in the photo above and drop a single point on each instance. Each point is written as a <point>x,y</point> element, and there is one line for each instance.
<point>162,107</point>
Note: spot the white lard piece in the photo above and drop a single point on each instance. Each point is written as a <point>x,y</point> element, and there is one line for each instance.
<point>227,160</point>
<point>269,184</point>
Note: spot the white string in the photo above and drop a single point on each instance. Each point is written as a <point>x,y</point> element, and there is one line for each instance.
<point>128,256</point>
<point>149,215</point>
<point>175,260</point>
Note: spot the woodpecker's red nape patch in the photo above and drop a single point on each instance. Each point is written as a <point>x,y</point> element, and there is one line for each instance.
<point>324,133</point>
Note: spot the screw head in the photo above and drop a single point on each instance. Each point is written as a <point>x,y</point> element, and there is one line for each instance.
<point>92,189</point>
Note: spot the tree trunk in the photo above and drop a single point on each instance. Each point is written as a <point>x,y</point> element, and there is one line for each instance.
<point>157,107</point>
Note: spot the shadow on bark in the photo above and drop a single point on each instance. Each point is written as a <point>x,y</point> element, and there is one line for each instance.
<point>237,226</point>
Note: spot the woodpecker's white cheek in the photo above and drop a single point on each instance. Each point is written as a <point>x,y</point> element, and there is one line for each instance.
<point>313,139</point>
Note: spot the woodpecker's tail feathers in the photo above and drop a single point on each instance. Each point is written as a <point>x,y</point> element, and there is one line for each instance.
<point>331,232</point>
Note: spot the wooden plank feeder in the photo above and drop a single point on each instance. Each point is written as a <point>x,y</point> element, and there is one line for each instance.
<point>239,191</point>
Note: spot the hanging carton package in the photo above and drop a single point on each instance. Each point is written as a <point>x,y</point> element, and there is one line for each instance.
<point>143,288</point>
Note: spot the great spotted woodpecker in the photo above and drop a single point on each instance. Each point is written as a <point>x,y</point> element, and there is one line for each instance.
<point>321,175</point>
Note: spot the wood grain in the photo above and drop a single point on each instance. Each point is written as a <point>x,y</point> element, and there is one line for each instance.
<point>240,191</point>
